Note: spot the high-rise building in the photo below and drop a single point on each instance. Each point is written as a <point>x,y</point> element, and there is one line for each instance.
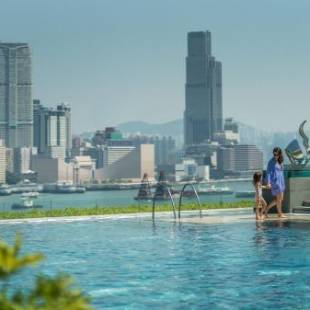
<point>65,109</point>
<point>203,114</point>
<point>22,159</point>
<point>9,156</point>
<point>52,130</point>
<point>16,111</point>
<point>2,163</point>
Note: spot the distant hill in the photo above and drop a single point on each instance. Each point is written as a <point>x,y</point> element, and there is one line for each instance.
<point>248,134</point>
<point>265,140</point>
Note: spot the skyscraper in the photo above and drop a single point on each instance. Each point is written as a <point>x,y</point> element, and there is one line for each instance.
<point>65,110</point>
<point>203,114</point>
<point>2,162</point>
<point>52,130</point>
<point>16,115</point>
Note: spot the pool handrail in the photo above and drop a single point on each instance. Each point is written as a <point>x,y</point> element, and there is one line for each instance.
<point>171,199</point>
<point>196,195</point>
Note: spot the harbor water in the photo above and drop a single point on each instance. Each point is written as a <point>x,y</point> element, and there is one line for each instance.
<point>113,198</point>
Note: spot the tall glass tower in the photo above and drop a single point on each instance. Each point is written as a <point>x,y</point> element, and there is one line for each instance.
<point>203,114</point>
<point>16,111</point>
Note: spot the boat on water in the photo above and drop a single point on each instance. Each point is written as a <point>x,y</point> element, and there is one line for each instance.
<point>27,202</point>
<point>64,188</point>
<point>26,186</point>
<point>213,190</point>
<point>144,192</point>
<point>114,186</point>
<point>31,194</point>
<point>245,194</point>
<point>70,189</point>
<point>162,190</point>
<point>5,190</point>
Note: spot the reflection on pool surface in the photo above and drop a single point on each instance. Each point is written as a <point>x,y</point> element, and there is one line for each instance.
<point>135,264</point>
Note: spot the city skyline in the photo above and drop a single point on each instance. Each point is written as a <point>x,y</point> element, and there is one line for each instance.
<point>262,47</point>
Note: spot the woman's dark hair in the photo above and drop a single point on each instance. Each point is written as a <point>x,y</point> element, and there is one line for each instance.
<point>278,151</point>
<point>257,176</point>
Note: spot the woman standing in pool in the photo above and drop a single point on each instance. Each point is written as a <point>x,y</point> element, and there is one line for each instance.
<point>275,179</point>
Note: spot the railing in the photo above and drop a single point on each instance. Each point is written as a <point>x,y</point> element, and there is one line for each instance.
<point>196,195</point>
<point>167,189</point>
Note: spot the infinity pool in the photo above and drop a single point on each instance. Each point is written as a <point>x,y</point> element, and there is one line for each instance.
<point>135,264</point>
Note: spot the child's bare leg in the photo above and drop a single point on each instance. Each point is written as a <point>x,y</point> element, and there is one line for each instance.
<point>257,211</point>
<point>264,207</point>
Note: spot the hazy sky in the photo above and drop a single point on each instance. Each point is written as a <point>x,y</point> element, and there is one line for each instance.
<point>117,61</point>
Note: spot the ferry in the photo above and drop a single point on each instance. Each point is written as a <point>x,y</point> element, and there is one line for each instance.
<point>64,188</point>
<point>26,186</point>
<point>31,194</point>
<point>27,202</point>
<point>5,190</point>
<point>144,192</point>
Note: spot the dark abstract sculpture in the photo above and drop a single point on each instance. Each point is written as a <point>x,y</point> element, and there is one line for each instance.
<point>294,152</point>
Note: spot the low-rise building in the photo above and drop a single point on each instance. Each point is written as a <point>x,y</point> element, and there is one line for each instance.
<point>83,169</point>
<point>239,159</point>
<point>97,154</point>
<point>52,170</point>
<point>129,162</point>
<point>112,154</point>
<point>186,170</point>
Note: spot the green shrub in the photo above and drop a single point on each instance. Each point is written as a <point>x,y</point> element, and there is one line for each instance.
<point>49,293</point>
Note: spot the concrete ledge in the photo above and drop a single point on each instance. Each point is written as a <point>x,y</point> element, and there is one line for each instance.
<point>228,219</point>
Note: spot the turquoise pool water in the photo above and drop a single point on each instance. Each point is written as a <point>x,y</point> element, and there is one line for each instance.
<point>135,264</point>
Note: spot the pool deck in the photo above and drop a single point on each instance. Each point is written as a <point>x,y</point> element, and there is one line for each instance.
<point>212,216</point>
<point>241,218</point>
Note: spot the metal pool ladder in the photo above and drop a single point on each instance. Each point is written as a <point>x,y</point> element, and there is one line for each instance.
<point>161,189</point>
<point>196,195</point>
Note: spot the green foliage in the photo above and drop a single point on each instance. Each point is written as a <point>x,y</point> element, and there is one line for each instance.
<point>48,293</point>
<point>11,262</point>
